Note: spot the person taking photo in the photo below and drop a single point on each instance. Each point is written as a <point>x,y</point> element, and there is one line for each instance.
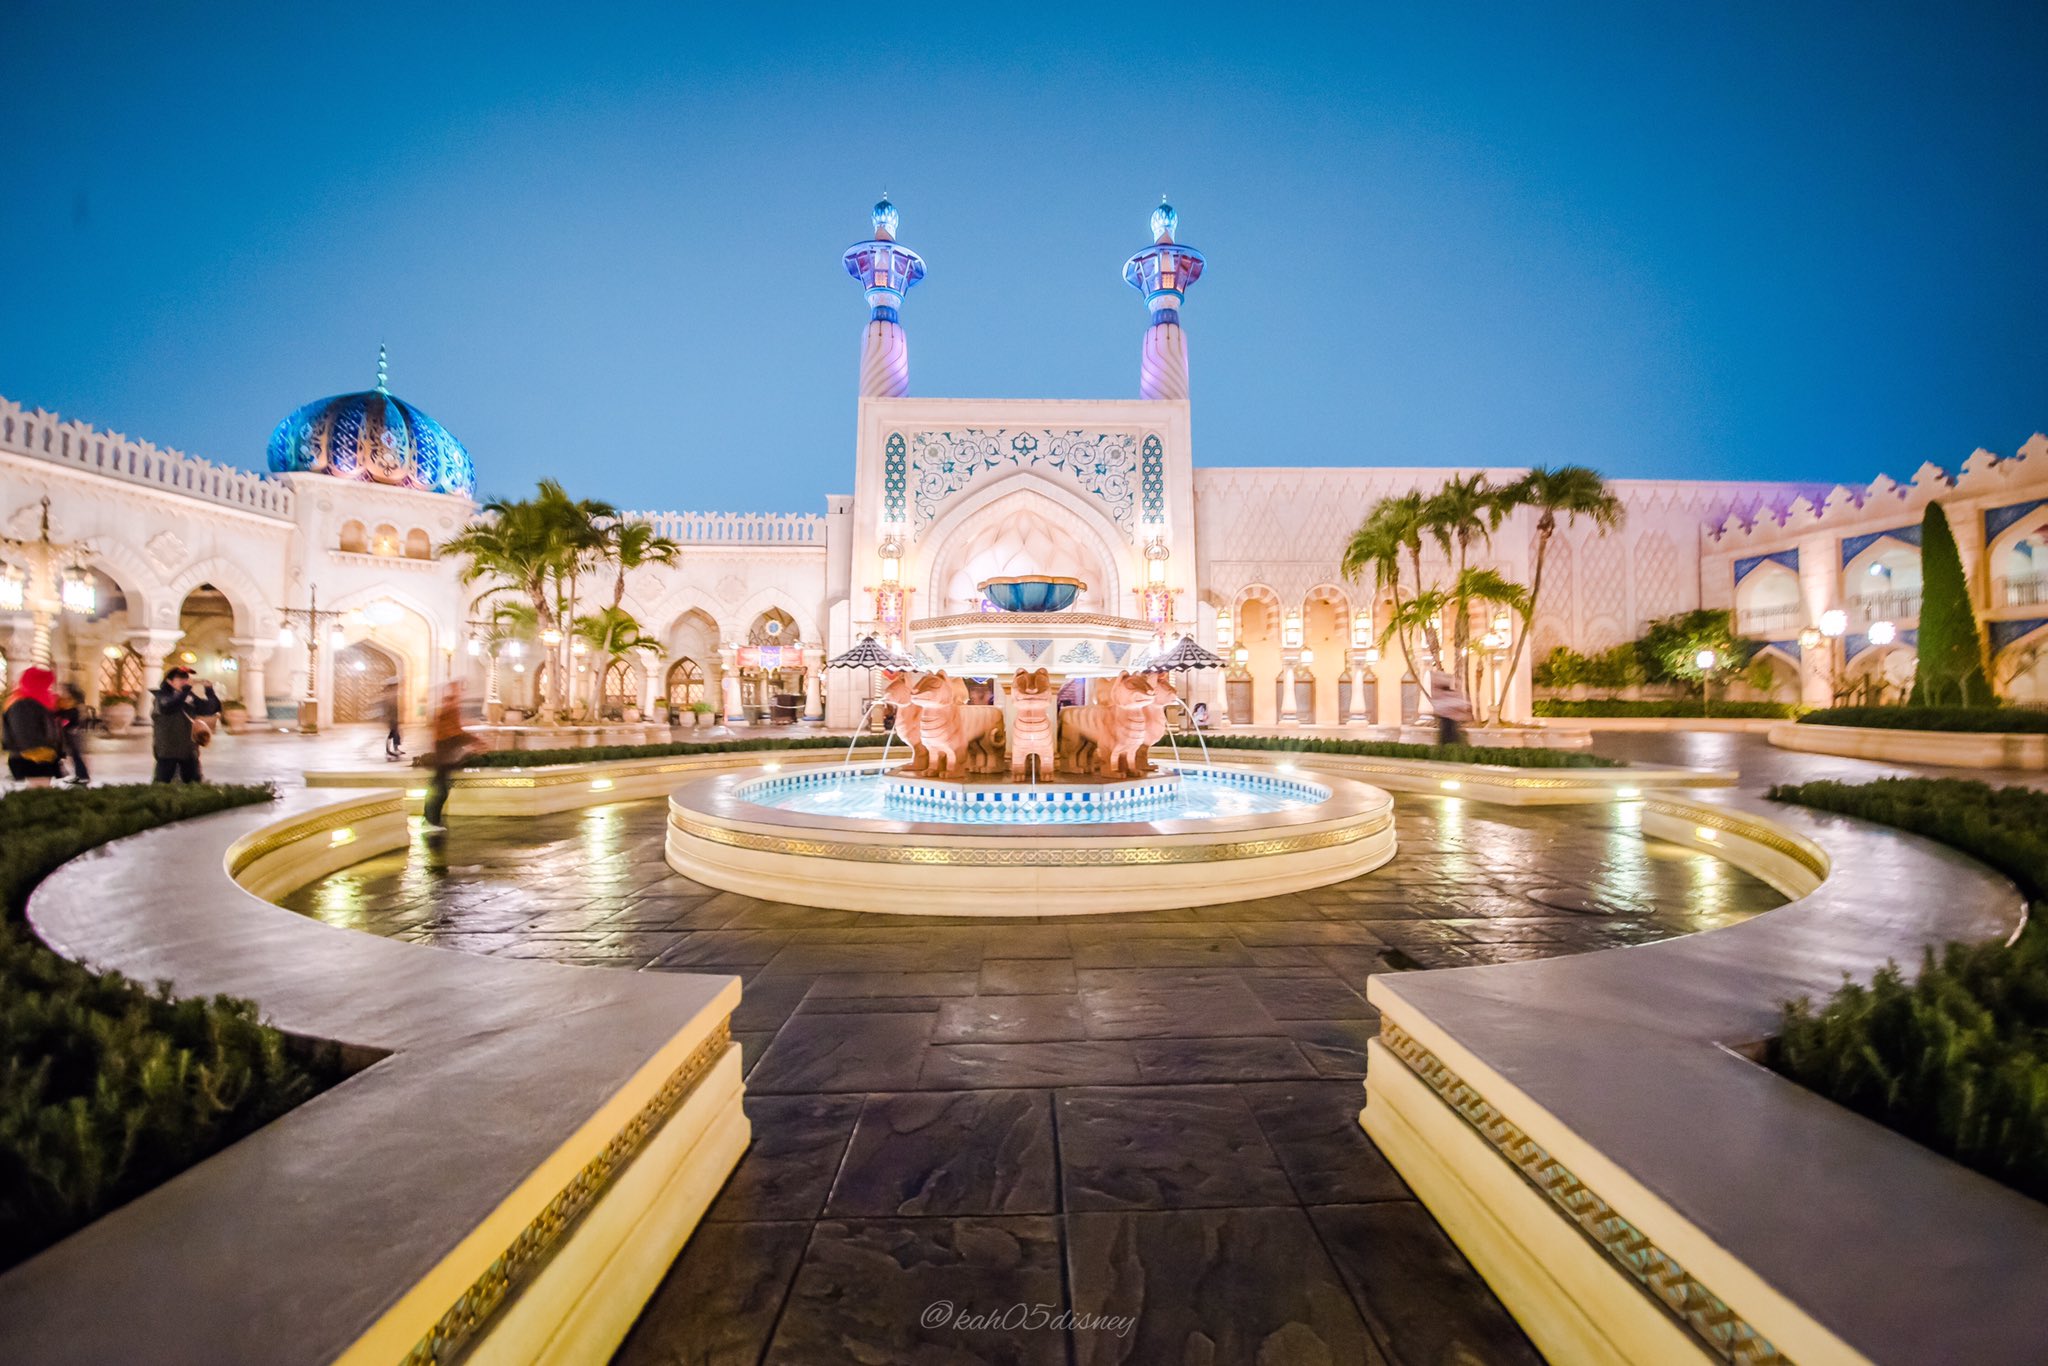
<point>177,721</point>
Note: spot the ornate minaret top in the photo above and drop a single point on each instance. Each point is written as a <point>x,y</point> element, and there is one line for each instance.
<point>886,271</point>
<point>1162,273</point>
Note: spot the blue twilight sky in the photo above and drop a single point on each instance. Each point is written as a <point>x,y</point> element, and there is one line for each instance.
<point>1728,240</point>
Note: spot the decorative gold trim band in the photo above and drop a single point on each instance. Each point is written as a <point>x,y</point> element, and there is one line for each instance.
<point>1747,827</point>
<point>291,832</point>
<point>1719,1329</point>
<point>989,620</point>
<point>1031,856</point>
<point>455,1329</point>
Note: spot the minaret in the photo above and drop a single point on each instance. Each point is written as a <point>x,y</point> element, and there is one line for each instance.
<point>1162,273</point>
<point>886,271</point>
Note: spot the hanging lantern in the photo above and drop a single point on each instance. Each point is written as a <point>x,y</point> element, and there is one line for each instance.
<point>13,590</point>
<point>79,593</point>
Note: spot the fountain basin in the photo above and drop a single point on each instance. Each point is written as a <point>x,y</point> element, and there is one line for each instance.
<point>1032,593</point>
<point>722,832</point>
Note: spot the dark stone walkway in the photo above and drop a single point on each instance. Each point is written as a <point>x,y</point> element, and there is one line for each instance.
<point>1148,1117</point>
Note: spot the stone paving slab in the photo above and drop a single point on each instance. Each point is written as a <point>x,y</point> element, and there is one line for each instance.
<point>1145,1115</point>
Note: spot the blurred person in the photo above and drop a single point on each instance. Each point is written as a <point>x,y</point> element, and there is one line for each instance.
<point>71,716</point>
<point>388,708</point>
<point>178,727</point>
<point>452,744</point>
<point>1453,709</point>
<point>29,729</point>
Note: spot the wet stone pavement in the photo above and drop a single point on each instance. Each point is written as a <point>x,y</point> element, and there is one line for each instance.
<point>1147,1122</point>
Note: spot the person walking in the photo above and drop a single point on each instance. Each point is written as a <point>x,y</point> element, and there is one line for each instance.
<point>29,729</point>
<point>1453,709</point>
<point>71,716</point>
<point>394,745</point>
<point>177,719</point>
<point>452,744</point>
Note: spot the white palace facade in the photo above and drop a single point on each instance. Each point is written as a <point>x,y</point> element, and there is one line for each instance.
<point>121,558</point>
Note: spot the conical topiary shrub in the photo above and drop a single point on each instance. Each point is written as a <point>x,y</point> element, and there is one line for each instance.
<point>1951,655</point>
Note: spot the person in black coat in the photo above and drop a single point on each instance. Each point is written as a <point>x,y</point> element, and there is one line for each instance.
<point>29,729</point>
<point>70,715</point>
<point>175,713</point>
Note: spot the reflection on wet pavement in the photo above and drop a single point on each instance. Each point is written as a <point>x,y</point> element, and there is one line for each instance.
<point>958,1108</point>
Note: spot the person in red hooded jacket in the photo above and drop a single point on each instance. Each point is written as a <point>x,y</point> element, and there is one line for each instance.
<point>29,729</point>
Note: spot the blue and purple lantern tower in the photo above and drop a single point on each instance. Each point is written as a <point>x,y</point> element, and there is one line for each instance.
<point>1162,273</point>
<point>886,270</point>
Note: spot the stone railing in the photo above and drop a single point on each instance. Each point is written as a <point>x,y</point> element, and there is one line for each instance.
<point>45,436</point>
<point>2022,590</point>
<point>736,528</point>
<point>1884,607</point>
<point>1764,620</point>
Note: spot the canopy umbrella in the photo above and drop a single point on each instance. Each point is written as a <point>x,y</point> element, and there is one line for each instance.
<point>870,654</point>
<point>1182,656</point>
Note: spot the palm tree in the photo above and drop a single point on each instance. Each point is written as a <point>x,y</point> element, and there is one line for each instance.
<point>533,550</point>
<point>1393,529</point>
<point>1574,491</point>
<point>1496,589</point>
<point>631,545</point>
<point>612,633</point>
<point>1466,508</point>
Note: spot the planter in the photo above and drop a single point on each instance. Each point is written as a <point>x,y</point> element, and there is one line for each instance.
<point>118,716</point>
<point>234,719</point>
<point>1948,748</point>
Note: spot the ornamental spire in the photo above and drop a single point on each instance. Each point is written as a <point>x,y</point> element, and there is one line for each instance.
<point>382,368</point>
<point>1162,273</point>
<point>886,270</point>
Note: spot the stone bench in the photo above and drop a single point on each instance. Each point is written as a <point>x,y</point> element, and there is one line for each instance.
<point>511,1176</point>
<point>1594,1133</point>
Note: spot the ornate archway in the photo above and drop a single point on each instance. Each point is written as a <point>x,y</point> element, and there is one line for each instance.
<point>361,673</point>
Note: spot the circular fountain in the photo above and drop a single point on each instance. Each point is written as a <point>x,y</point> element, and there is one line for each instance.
<point>1019,805</point>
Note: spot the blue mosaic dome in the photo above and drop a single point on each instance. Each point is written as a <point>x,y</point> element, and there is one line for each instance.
<point>374,437</point>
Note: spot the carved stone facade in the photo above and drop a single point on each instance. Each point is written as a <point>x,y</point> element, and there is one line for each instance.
<point>962,490</point>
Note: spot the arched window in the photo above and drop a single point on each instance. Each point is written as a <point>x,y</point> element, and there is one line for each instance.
<point>621,688</point>
<point>120,675</point>
<point>685,685</point>
<point>417,546</point>
<point>354,539</point>
<point>384,541</point>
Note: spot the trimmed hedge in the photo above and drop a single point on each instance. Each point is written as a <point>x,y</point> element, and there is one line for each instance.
<point>1382,749</point>
<point>1688,708</point>
<point>1975,720</point>
<point>544,758</point>
<point>107,1087</point>
<point>1371,749</point>
<point>1957,1058</point>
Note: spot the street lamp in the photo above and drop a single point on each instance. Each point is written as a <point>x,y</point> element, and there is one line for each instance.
<point>1706,661</point>
<point>309,618</point>
<point>1883,632</point>
<point>42,590</point>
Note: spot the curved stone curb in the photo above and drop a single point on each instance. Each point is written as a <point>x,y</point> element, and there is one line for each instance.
<point>1944,748</point>
<point>1595,1136</point>
<point>515,1171</point>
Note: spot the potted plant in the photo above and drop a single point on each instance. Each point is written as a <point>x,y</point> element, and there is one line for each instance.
<point>234,716</point>
<point>705,717</point>
<point>117,711</point>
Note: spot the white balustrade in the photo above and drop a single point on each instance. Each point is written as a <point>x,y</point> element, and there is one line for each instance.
<point>736,528</point>
<point>45,436</point>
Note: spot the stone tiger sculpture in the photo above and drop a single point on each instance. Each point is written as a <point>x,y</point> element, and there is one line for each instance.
<point>959,737</point>
<point>896,692</point>
<point>1114,738</point>
<point>1032,697</point>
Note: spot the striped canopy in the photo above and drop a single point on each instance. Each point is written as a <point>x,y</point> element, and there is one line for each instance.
<point>869,655</point>
<point>1185,654</point>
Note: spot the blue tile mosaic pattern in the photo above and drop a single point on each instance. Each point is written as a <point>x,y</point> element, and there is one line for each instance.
<point>374,437</point>
<point>1191,792</point>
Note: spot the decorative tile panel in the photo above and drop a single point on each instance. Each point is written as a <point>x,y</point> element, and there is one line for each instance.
<point>1104,465</point>
<point>1152,479</point>
<point>895,480</point>
<point>1852,546</point>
